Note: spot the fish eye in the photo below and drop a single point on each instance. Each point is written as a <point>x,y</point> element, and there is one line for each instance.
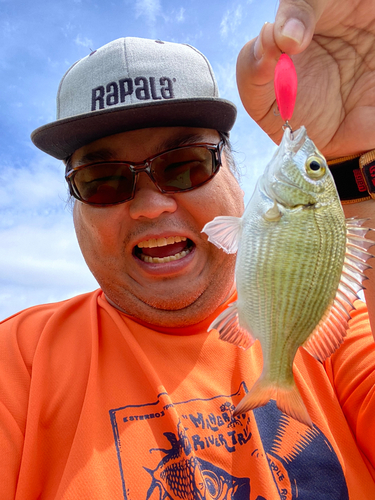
<point>315,167</point>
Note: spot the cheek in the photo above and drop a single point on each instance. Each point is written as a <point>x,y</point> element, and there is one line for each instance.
<point>94,234</point>
<point>222,196</point>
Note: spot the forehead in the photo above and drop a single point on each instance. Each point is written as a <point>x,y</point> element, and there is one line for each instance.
<point>136,145</point>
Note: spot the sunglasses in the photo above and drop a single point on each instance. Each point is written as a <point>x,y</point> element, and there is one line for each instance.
<point>172,171</point>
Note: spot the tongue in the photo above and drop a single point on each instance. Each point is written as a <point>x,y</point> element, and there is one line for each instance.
<point>165,251</point>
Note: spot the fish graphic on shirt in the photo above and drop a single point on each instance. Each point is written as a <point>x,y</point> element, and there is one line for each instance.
<point>182,475</point>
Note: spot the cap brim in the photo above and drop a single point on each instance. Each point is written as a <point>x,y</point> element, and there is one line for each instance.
<point>62,137</point>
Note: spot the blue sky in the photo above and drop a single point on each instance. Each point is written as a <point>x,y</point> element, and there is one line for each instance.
<point>39,258</point>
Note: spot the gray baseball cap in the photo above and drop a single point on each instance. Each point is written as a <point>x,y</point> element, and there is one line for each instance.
<point>134,83</point>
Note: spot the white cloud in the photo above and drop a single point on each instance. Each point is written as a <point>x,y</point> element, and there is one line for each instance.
<point>180,17</point>
<point>40,260</point>
<point>149,9</point>
<point>231,21</point>
<point>174,16</point>
<point>30,188</point>
<point>84,42</point>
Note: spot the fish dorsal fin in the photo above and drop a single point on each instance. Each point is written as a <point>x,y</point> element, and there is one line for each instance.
<point>224,232</point>
<point>332,328</point>
<point>229,329</point>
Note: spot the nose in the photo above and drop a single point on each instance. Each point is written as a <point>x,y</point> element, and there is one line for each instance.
<point>148,201</point>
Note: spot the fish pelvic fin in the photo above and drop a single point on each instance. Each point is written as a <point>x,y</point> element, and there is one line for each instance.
<point>273,214</point>
<point>288,400</point>
<point>331,330</point>
<point>224,232</point>
<point>227,324</point>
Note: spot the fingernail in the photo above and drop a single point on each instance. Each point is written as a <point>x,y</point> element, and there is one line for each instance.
<point>258,48</point>
<point>294,30</point>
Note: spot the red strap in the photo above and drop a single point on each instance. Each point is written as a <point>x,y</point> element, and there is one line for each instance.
<point>285,86</point>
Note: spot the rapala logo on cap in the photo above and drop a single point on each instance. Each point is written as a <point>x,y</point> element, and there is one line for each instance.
<point>143,88</point>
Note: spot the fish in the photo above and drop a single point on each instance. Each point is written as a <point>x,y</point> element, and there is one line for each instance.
<point>299,269</point>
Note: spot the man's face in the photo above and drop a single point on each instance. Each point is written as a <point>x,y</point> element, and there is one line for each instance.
<point>180,282</point>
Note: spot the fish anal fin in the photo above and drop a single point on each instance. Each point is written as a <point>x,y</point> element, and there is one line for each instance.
<point>227,324</point>
<point>224,232</point>
<point>288,400</point>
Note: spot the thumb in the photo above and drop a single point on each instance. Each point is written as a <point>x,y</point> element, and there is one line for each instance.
<point>295,24</point>
<point>291,32</point>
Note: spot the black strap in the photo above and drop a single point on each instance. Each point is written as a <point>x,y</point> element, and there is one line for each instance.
<point>349,180</point>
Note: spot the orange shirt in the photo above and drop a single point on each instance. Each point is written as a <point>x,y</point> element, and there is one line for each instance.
<point>96,406</point>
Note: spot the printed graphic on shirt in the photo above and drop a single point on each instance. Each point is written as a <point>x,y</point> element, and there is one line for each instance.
<point>184,450</point>
<point>302,454</point>
<point>180,474</point>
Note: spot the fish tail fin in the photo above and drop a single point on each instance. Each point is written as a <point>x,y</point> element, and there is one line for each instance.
<point>288,400</point>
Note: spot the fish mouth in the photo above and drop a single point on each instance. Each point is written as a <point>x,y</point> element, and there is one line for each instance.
<point>163,249</point>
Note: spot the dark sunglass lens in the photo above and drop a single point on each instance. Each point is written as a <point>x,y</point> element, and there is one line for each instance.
<point>104,183</point>
<point>183,169</point>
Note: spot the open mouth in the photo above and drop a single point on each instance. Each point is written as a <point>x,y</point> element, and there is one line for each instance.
<point>162,250</point>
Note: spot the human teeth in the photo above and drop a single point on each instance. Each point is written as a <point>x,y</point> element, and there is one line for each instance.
<point>162,260</point>
<point>160,242</point>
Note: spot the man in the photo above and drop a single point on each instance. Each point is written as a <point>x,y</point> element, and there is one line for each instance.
<point>122,393</point>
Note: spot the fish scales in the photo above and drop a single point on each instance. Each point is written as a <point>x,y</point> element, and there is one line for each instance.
<point>295,255</point>
<point>288,285</point>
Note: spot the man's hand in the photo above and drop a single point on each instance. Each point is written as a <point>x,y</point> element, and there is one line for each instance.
<point>332,43</point>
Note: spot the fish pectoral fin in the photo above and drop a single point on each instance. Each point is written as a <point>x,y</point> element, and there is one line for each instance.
<point>227,324</point>
<point>288,400</point>
<point>224,232</point>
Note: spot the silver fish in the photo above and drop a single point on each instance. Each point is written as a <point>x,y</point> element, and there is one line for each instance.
<point>299,269</point>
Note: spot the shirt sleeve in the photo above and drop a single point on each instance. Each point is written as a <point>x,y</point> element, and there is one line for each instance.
<point>352,372</point>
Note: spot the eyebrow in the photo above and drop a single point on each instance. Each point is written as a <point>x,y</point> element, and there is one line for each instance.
<point>106,154</point>
<point>175,142</point>
<point>99,155</point>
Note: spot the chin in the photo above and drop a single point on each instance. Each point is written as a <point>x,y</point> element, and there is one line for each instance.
<point>169,312</point>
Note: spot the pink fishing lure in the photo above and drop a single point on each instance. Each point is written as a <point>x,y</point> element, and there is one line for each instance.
<point>285,86</point>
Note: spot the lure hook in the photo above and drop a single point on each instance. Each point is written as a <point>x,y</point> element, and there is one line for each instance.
<point>287,125</point>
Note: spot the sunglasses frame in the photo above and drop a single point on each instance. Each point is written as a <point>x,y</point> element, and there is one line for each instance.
<point>136,168</point>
